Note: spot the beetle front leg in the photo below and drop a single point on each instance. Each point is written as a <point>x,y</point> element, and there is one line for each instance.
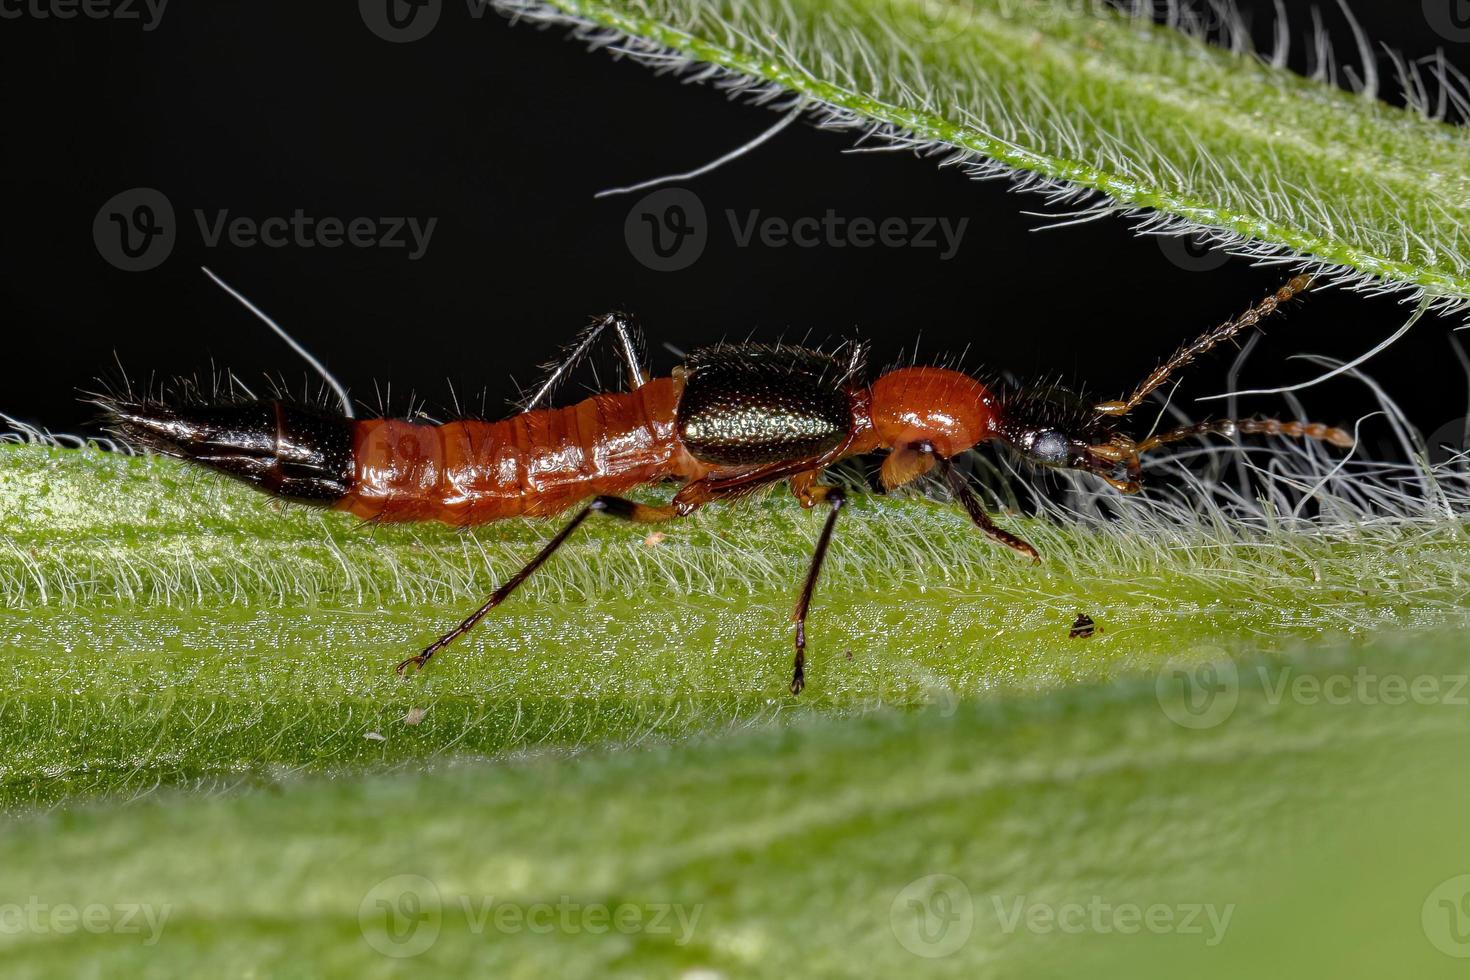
<point>976,509</point>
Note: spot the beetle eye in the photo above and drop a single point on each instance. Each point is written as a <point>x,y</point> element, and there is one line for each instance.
<point>1046,446</point>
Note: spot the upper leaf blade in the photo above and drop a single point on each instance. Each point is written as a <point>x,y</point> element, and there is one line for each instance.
<point>1088,103</point>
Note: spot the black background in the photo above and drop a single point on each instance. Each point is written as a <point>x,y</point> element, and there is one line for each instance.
<point>503,133</point>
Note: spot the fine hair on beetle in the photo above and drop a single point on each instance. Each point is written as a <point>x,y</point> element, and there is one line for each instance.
<point>729,421</point>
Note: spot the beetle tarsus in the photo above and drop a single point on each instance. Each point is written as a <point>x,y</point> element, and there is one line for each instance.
<point>798,669</point>
<point>417,661</point>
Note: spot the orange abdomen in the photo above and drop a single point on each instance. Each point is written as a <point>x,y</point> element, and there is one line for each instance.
<point>533,464</point>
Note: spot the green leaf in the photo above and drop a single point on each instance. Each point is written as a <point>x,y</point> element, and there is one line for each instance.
<point>1077,99</point>
<point>163,625</point>
<point>1296,833</point>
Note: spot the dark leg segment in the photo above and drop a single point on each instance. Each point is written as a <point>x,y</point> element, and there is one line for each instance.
<point>835,499</point>
<point>612,506</point>
<point>976,509</point>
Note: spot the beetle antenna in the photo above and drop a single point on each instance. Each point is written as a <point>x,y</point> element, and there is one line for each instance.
<point>1248,427</point>
<point>1206,343</point>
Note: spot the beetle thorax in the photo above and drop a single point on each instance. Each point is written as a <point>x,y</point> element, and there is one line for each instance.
<point>944,410</point>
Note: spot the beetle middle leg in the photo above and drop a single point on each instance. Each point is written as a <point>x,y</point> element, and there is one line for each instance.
<point>618,507</point>
<point>803,476</point>
<point>835,499</point>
